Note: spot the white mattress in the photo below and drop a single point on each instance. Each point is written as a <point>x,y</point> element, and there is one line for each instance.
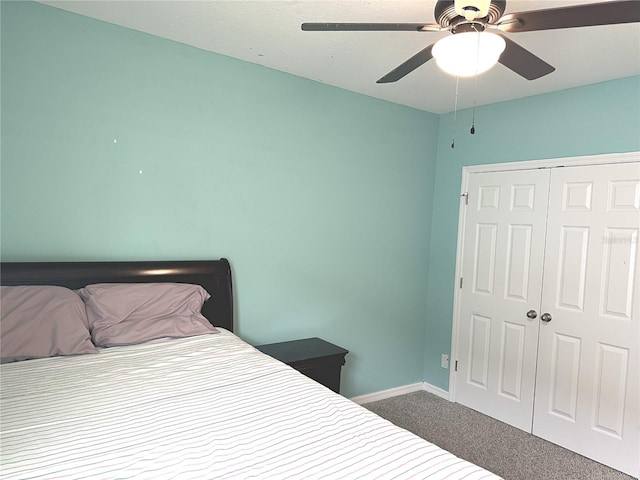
<point>201,407</point>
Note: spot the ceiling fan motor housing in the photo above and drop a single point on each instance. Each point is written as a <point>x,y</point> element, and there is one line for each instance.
<point>447,16</point>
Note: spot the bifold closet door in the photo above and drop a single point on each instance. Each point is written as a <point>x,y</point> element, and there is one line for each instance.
<point>586,396</point>
<point>503,248</point>
<point>548,335</point>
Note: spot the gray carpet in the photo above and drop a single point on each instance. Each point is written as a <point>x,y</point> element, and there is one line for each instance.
<point>496,446</point>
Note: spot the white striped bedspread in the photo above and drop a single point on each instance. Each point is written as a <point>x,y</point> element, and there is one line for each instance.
<point>203,407</point>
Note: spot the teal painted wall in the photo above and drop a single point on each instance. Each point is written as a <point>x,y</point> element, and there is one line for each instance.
<point>121,145</point>
<point>600,118</point>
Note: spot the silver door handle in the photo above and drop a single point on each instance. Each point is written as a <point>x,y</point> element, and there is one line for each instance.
<point>532,314</point>
<point>546,317</point>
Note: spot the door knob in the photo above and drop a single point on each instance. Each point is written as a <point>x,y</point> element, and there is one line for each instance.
<point>546,317</point>
<point>532,314</point>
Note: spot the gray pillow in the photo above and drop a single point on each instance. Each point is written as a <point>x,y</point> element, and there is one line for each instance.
<point>127,313</point>
<point>42,321</point>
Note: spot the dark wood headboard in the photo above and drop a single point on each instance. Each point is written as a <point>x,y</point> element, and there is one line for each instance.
<point>213,275</point>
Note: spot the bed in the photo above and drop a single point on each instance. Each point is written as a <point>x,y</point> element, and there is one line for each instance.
<point>191,407</point>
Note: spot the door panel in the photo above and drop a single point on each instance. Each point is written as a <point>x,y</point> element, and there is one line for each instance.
<point>511,360</point>
<point>485,258</point>
<point>564,376</point>
<point>518,262</point>
<point>612,365</point>
<point>588,365</point>
<point>502,272</point>
<point>479,351</point>
<point>619,272</point>
<point>574,248</point>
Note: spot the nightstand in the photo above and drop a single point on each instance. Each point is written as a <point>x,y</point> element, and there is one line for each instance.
<point>317,359</point>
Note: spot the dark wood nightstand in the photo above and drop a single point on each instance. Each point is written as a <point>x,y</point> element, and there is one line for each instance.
<point>317,359</point>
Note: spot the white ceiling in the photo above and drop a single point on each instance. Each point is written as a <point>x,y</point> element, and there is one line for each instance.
<point>268,33</point>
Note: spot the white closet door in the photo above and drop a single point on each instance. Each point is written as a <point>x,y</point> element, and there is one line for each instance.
<point>588,361</point>
<point>503,248</point>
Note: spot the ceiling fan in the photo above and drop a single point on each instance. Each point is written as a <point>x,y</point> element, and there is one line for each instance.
<point>473,20</point>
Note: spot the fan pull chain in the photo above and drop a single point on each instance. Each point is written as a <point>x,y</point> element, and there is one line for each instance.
<point>473,119</point>
<point>475,92</point>
<point>455,114</point>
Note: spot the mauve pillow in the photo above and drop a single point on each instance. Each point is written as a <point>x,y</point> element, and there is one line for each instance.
<point>127,313</point>
<point>42,321</point>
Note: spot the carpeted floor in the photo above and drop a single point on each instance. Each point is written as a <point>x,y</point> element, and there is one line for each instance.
<point>496,446</point>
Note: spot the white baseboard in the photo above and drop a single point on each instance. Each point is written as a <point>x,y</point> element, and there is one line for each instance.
<point>394,392</point>
<point>437,391</point>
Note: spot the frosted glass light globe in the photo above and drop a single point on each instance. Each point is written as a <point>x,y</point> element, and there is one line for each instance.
<point>469,53</point>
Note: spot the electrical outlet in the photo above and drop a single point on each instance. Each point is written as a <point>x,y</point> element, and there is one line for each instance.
<point>444,362</point>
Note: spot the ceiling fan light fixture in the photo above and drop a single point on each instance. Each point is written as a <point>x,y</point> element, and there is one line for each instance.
<point>469,53</point>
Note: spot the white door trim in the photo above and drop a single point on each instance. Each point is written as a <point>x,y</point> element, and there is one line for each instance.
<point>602,159</point>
